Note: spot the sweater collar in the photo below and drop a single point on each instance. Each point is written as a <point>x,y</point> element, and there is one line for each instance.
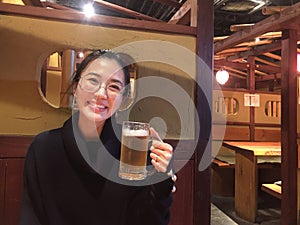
<point>100,156</point>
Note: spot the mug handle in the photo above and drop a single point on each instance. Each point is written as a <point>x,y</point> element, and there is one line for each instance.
<point>154,136</point>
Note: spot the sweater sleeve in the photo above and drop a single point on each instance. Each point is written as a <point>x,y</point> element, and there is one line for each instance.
<point>150,206</point>
<point>32,210</point>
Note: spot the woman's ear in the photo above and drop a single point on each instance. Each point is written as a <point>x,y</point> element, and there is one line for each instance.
<point>74,87</point>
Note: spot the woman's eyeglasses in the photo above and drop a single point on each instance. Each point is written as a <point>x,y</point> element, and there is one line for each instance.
<point>92,83</point>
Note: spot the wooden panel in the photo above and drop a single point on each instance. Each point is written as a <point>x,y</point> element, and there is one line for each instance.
<point>182,207</point>
<point>222,180</point>
<point>246,179</point>
<point>13,190</point>
<point>272,103</point>
<point>12,170</point>
<point>237,133</point>
<point>243,112</point>
<point>265,134</point>
<point>2,188</point>
<point>14,146</point>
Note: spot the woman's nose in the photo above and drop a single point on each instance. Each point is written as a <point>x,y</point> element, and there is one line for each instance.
<point>102,91</point>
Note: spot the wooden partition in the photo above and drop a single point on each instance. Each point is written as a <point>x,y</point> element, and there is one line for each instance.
<point>239,127</point>
<point>12,155</point>
<point>30,34</point>
<point>231,105</point>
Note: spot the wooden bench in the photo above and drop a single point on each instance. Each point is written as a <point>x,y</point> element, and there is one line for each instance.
<point>272,189</point>
<point>223,175</point>
<point>222,178</point>
<point>219,163</point>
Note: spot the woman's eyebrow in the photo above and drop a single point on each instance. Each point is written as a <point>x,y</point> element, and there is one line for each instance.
<point>116,81</point>
<point>93,73</point>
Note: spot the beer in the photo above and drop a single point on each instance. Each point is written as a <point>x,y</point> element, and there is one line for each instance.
<point>134,153</point>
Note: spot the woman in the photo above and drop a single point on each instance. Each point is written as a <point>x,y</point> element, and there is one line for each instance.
<point>71,174</point>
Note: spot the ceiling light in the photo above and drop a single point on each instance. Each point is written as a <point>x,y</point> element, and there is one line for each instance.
<point>88,9</point>
<point>222,76</point>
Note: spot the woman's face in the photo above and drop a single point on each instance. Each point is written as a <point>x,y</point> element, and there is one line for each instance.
<point>99,91</point>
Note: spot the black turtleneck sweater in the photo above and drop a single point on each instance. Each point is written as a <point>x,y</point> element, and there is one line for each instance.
<point>63,185</point>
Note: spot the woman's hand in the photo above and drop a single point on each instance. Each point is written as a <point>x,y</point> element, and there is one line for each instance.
<point>161,153</point>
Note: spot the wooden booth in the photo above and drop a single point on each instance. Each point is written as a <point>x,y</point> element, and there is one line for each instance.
<point>39,50</point>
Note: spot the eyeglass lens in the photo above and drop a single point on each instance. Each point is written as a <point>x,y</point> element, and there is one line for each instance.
<point>93,82</point>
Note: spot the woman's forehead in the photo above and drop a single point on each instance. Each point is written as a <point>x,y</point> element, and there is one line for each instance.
<point>104,67</point>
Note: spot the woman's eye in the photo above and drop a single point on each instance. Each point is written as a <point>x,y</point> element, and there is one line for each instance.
<point>114,87</point>
<point>93,81</point>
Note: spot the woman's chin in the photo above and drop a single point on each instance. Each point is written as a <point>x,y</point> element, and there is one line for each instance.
<point>101,117</point>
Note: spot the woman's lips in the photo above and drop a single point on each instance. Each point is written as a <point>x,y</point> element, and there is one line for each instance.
<point>98,107</point>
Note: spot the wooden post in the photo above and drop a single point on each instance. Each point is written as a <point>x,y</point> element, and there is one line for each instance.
<point>68,67</point>
<point>289,156</point>
<point>204,51</point>
<point>251,88</point>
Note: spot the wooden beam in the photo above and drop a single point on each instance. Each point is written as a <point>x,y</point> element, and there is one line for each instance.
<point>203,102</point>
<point>267,77</point>
<point>237,27</point>
<point>183,14</point>
<point>194,13</point>
<point>235,65</point>
<point>255,43</point>
<point>266,62</point>
<point>289,149</point>
<point>251,87</point>
<point>273,56</point>
<point>97,20</point>
<point>259,50</point>
<point>274,22</point>
<point>236,71</point>
<point>234,50</point>
<point>267,68</point>
<point>260,73</point>
<point>125,11</point>
<point>270,10</point>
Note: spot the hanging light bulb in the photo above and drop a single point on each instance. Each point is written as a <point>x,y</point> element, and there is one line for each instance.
<point>222,76</point>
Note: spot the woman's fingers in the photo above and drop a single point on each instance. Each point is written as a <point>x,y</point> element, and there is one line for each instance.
<point>161,155</point>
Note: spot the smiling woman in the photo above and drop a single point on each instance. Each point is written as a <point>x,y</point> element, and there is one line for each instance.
<point>57,72</point>
<point>84,183</point>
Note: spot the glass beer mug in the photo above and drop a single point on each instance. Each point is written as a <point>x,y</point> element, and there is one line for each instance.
<point>134,150</point>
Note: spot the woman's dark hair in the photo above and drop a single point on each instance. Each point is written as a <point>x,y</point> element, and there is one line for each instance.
<point>103,54</point>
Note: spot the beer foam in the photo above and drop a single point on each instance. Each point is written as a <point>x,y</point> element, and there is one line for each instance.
<point>127,132</point>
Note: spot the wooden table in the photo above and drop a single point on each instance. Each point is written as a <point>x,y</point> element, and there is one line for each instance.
<point>246,174</point>
<point>272,189</point>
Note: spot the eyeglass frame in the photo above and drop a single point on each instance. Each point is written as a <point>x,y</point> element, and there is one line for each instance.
<point>100,85</point>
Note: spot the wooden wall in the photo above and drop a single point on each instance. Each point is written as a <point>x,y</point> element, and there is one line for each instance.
<point>25,45</point>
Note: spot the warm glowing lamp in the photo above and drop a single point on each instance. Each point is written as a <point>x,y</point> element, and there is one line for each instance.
<point>222,76</point>
<point>88,9</point>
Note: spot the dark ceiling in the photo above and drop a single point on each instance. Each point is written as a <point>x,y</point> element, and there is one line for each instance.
<point>227,12</point>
